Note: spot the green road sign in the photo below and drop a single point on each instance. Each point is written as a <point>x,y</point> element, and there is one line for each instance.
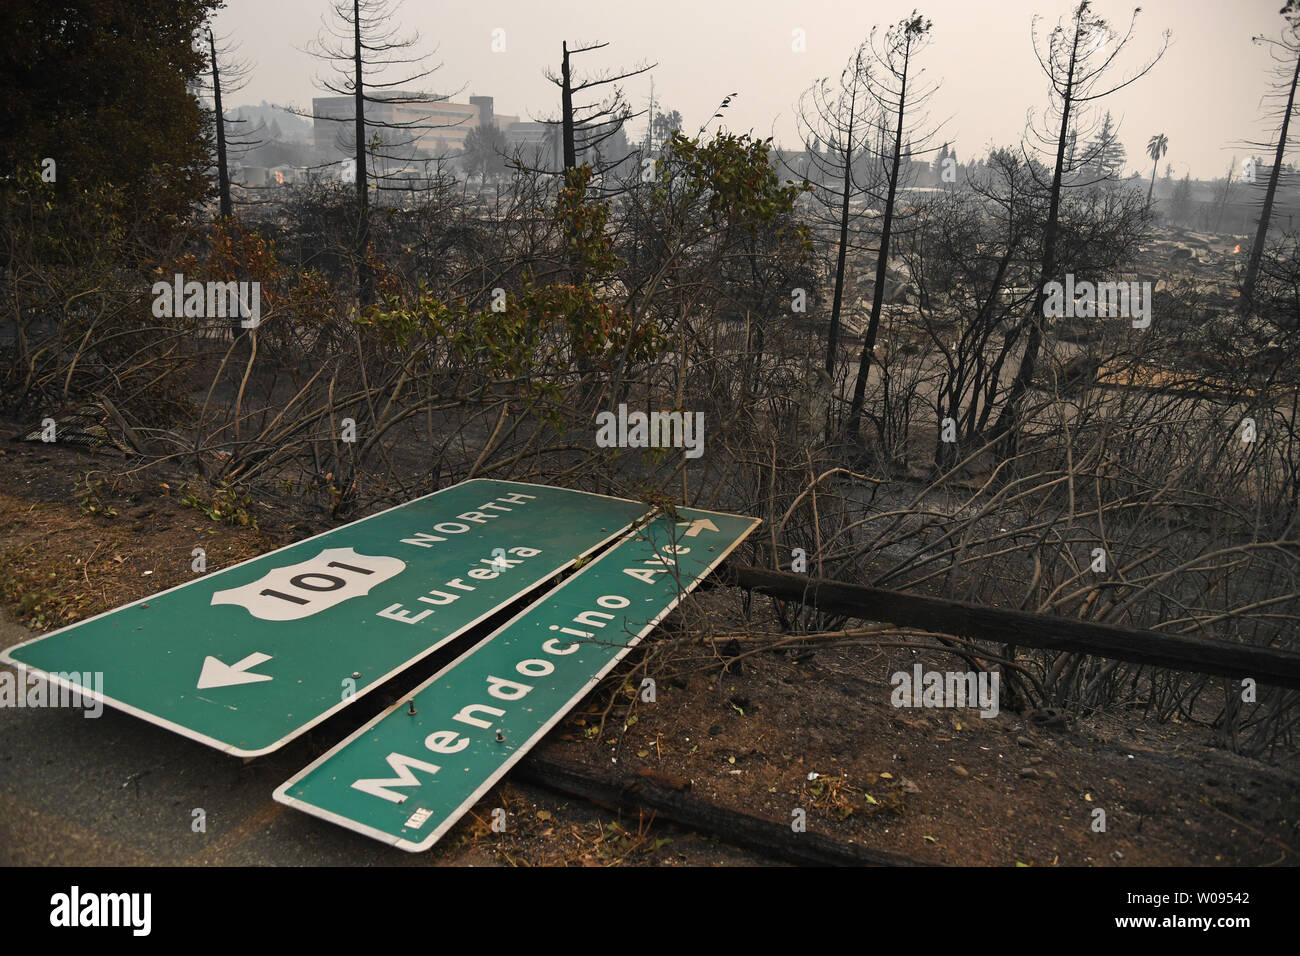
<point>247,658</point>
<point>406,778</point>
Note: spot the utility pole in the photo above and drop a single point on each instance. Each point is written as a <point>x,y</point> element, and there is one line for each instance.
<point>650,124</point>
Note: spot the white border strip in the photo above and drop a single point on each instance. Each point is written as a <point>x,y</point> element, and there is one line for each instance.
<point>281,793</point>
<point>7,658</point>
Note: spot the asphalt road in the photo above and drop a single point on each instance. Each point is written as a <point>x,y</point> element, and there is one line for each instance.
<point>115,790</point>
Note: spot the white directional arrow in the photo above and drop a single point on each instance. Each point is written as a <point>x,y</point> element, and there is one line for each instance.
<point>700,524</point>
<point>217,674</point>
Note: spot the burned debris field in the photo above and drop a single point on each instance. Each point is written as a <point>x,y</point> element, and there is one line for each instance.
<point>390,480</point>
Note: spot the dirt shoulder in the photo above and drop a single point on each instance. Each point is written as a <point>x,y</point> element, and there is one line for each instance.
<point>769,735</point>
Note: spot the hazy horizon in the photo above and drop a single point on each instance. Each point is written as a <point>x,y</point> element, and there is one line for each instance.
<point>983,63</point>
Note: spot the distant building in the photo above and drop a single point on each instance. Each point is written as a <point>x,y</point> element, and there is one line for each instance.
<point>484,106</point>
<point>435,127</point>
<point>537,144</point>
<point>284,175</point>
<point>251,176</point>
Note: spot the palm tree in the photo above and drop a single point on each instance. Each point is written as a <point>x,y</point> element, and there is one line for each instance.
<point>1157,146</point>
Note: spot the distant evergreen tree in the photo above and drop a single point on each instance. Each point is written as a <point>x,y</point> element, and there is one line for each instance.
<point>1106,154</point>
<point>665,124</point>
<point>484,151</point>
<point>1181,202</point>
<point>936,169</point>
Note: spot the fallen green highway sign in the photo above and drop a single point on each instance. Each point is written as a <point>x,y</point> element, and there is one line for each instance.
<point>406,777</point>
<point>246,658</point>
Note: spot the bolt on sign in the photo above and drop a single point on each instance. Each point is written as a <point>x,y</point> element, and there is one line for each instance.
<point>409,774</point>
<point>247,658</point>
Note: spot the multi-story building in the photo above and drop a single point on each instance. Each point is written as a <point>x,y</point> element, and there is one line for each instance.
<point>538,144</point>
<point>433,127</point>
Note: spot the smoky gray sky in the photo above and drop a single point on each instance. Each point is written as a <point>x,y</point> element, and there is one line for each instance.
<point>1205,94</point>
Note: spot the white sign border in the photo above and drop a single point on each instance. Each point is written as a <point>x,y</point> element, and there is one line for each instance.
<point>235,751</point>
<point>281,793</point>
